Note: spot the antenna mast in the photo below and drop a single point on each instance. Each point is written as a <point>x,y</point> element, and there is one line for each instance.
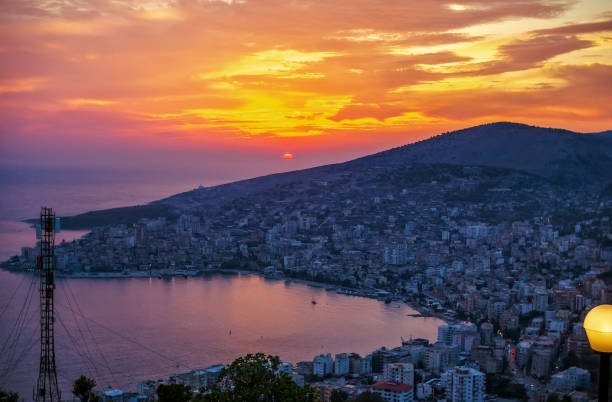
<point>47,389</point>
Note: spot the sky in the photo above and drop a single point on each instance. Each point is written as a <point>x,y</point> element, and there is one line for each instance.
<point>230,86</point>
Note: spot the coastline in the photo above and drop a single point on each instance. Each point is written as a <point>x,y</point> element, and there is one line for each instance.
<point>167,274</point>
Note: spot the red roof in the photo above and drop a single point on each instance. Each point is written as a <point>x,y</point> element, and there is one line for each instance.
<point>392,386</point>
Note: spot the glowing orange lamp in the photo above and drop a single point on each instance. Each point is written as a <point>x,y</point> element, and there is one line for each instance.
<point>598,327</point>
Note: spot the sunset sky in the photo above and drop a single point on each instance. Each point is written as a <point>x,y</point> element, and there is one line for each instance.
<point>222,84</point>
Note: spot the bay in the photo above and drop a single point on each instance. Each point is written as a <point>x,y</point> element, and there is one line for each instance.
<point>121,331</point>
<point>71,191</point>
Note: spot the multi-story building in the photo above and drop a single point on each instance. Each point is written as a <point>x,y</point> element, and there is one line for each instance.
<point>396,254</point>
<point>464,384</point>
<point>437,358</point>
<point>322,365</point>
<point>541,361</point>
<point>570,379</point>
<point>540,301</point>
<point>486,333</point>
<point>341,364</point>
<point>402,373</point>
<point>392,391</point>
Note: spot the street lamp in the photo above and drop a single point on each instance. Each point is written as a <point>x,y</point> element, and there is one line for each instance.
<point>598,327</point>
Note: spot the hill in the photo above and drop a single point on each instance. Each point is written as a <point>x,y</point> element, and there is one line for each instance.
<point>563,157</point>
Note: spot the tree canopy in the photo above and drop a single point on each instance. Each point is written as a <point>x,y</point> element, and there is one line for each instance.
<point>256,377</point>
<point>8,396</point>
<point>81,388</point>
<point>339,395</point>
<point>174,393</point>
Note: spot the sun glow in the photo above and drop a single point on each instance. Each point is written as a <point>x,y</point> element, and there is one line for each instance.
<point>457,7</point>
<point>318,73</point>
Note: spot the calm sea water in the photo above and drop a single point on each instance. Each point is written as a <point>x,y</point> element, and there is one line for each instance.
<point>71,191</point>
<point>121,331</point>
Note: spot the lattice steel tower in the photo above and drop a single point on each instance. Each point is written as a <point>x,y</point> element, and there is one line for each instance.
<point>47,389</point>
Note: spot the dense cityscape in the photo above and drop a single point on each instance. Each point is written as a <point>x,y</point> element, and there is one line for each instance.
<point>306,201</point>
<point>514,291</point>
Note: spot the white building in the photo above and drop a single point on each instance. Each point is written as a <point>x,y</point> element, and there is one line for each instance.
<point>322,365</point>
<point>392,391</point>
<point>396,254</point>
<point>464,384</point>
<point>463,336</point>
<point>402,373</point>
<point>570,379</point>
<point>341,364</point>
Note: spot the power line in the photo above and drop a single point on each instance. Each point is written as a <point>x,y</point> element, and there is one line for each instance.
<point>130,340</point>
<point>82,335</point>
<point>8,348</point>
<point>83,357</point>
<point>76,302</point>
<point>134,379</point>
<point>86,351</point>
<point>27,348</point>
<point>18,319</point>
<point>10,299</point>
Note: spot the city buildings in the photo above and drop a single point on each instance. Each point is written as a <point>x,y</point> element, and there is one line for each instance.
<point>322,365</point>
<point>392,391</point>
<point>402,373</point>
<point>464,384</point>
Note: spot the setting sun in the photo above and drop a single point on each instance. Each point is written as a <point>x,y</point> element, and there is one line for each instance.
<point>232,75</point>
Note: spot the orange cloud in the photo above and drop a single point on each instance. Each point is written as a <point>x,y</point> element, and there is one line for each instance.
<point>573,29</point>
<point>275,75</point>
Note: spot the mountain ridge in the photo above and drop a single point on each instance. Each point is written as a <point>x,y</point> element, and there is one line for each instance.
<point>566,159</point>
<point>563,156</point>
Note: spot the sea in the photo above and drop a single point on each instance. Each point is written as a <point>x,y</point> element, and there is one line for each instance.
<point>70,191</point>
<point>122,331</point>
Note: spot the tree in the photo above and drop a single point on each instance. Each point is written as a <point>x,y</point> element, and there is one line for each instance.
<point>338,395</point>
<point>8,396</point>
<point>552,398</point>
<point>174,393</point>
<point>81,388</point>
<point>256,377</point>
<point>368,397</point>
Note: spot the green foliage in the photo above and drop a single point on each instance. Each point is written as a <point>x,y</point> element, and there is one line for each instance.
<point>116,216</point>
<point>81,388</point>
<point>255,377</point>
<point>552,398</point>
<point>174,393</point>
<point>8,396</point>
<point>368,397</point>
<point>338,395</point>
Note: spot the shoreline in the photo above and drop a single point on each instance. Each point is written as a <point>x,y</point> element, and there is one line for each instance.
<point>421,311</point>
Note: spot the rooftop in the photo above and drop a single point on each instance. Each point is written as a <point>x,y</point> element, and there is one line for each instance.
<point>391,386</point>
